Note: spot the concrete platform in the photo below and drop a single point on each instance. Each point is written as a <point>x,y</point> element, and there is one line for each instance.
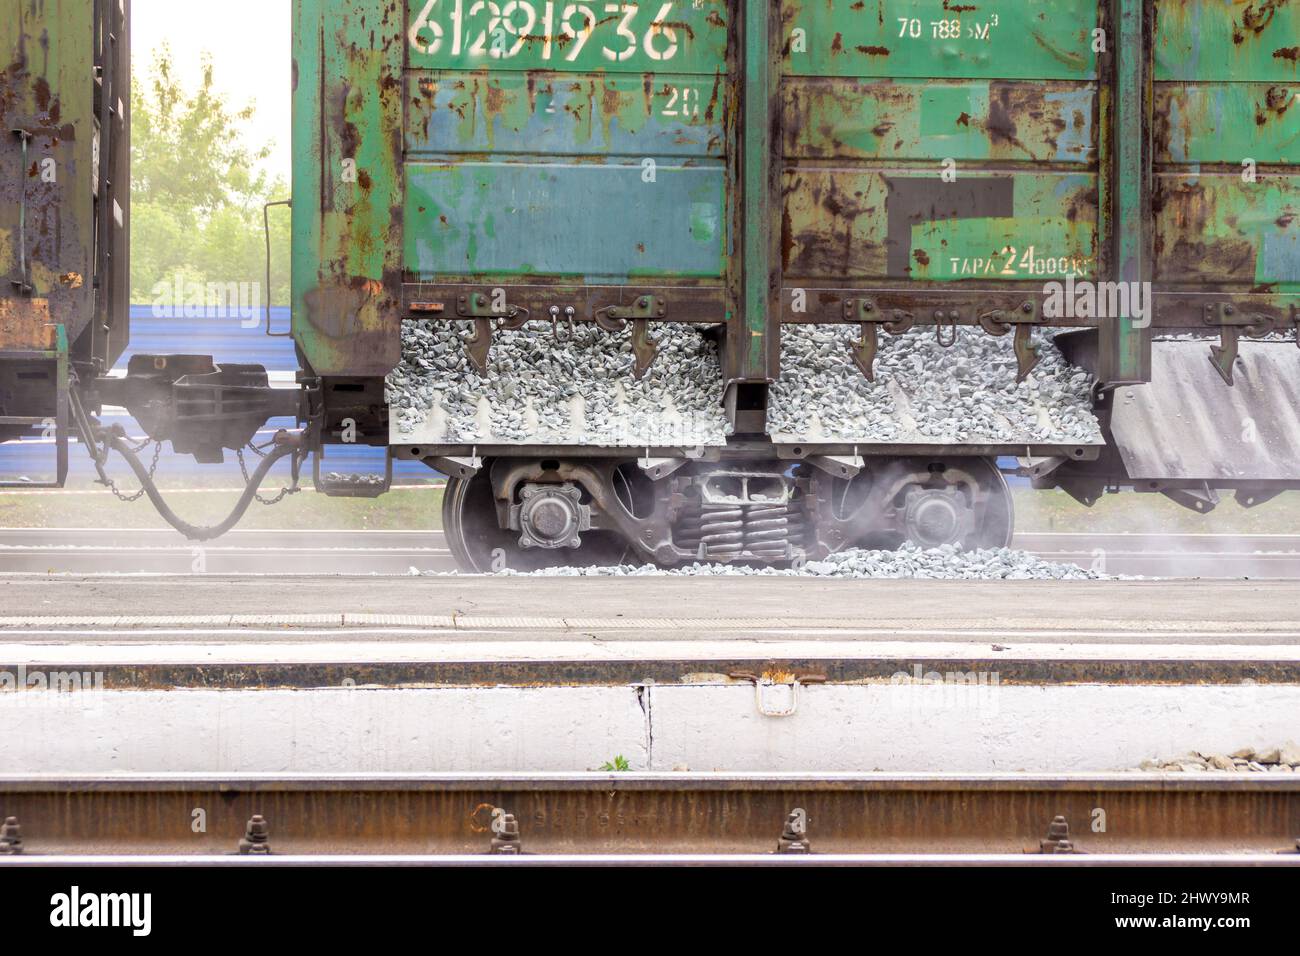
<point>651,608</point>
<point>403,675</point>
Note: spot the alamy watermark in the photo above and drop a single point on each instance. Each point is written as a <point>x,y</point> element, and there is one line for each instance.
<point>1085,299</point>
<point>183,298</point>
<point>968,692</point>
<point>42,686</point>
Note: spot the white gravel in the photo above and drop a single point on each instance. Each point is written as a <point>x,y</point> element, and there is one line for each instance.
<point>1285,759</point>
<point>940,564</point>
<point>578,390</point>
<point>925,393</point>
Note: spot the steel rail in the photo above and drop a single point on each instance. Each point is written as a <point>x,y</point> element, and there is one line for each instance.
<point>768,860</point>
<point>889,818</point>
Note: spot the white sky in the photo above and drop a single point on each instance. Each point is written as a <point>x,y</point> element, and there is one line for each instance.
<point>250,44</point>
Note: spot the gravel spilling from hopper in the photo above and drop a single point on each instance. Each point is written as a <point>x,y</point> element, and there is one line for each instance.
<point>926,393</point>
<point>942,564</point>
<point>576,389</point>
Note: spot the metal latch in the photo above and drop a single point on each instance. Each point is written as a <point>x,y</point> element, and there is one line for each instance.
<point>1231,324</point>
<point>490,312</point>
<point>614,318</point>
<point>865,313</point>
<point>646,307</point>
<point>1000,321</point>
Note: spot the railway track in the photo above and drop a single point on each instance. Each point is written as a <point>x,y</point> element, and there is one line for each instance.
<point>89,551</point>
<point>726,818</point>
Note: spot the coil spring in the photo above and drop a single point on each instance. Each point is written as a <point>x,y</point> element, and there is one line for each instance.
<point>723,532</point>
<point>717,529</point>
<point>767,531</point>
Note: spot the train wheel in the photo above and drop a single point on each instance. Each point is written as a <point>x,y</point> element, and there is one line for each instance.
<point>481,546</point>
<point>995,521</point>
<point>930,503</point>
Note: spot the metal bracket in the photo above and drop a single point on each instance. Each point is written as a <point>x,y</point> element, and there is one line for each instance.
<point>353,485</point>
<point>838,466</point>
<point>646,307</point>
<point>865,313</point>
<point>459,467</point>
<point>1251,498</point>
<point>658,468</point>
<point>766,681</point>
<point>488,317</point>
<point>1202,500</point>
<point>1000,321</point>
<point>1231,324</point>
<point>1040,467</point>
<point>569,314</point>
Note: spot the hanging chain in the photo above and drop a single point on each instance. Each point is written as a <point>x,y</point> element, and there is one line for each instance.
<point>153,468</point>
<point>243,467</point>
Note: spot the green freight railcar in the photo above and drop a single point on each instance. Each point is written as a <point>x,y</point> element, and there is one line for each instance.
<point>496,177</point>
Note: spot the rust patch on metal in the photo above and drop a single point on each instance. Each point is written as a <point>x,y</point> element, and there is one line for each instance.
<point>25,325</point>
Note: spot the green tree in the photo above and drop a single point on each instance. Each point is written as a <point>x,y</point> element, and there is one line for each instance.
<point>197,190</point>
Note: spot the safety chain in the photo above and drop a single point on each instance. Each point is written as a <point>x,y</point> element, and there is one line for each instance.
<point>153,468</point>
<point>284,492</point>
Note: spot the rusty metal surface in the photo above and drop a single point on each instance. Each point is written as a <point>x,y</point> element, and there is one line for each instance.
<point>656,813</point>
<point>56,152</point>
<point>46,91</point>
<point>1009,672</point>
<point>1192,425</point>
<point>26,325</point>
<point>1225,139</point>
<point>348,201</point>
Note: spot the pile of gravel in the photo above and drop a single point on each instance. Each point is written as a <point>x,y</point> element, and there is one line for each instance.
<point>579,390</point>
<point>925,393</point>
<point>1247,760</point>
<point>939,564</point>
<point>574,390</point>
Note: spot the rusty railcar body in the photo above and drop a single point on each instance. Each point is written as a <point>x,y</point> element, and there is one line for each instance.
<point>491,173</point>
<point>64,207</point>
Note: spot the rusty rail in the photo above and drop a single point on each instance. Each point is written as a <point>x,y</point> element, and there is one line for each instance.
<point>866,818</point>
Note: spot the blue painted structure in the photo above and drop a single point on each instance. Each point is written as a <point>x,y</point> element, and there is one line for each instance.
<point>232,342</point>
